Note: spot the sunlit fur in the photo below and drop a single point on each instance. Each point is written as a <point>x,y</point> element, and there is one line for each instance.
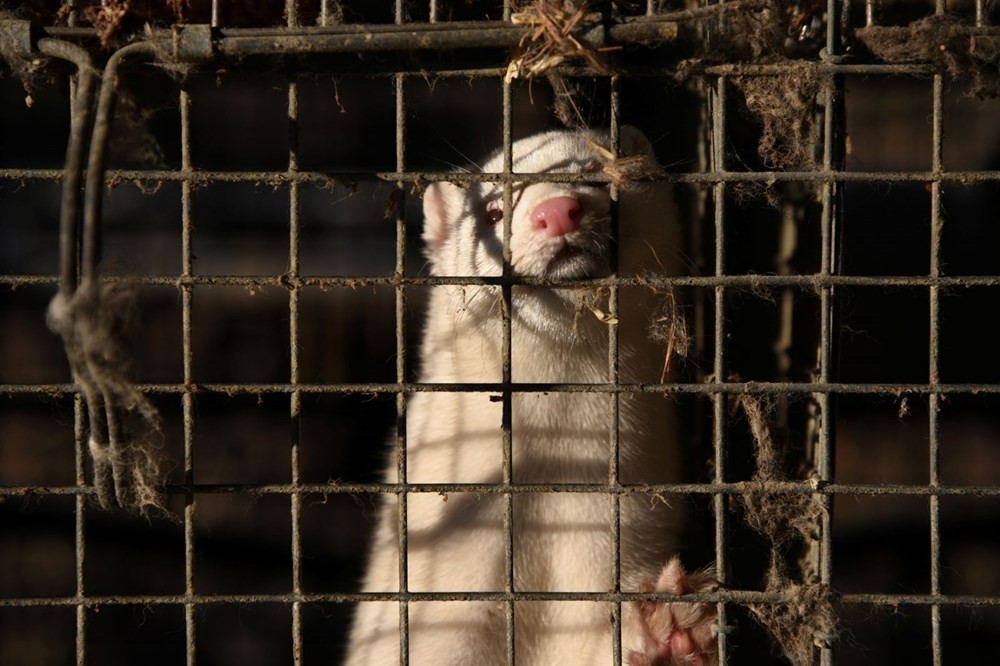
<point>561,541</point>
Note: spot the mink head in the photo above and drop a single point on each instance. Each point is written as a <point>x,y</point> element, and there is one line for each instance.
<point>559,230</point>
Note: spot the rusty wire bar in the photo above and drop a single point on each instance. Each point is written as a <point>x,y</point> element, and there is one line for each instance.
<point>750,281</point>
<point>506,420</point>
<point>294,227</point>
<point>934,406</point>
<point>834,119</point>
<point>187,395</point>
<point>80,109</point>
<point>204,177</point>
<point>733,388</point>
<point>291,12</point>
<point>717,151</point>
<point>726,596</point>
<point>344,38</point>
<point>81,98</point>
<point>80,532</point>
<point>401,366</point>
<point>614,435</point>
<point>714,488</point>
<point>404,613</point>
<point>81,113</point>
<point>96,163</point>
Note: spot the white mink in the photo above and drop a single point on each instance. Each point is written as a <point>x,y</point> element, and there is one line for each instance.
<point>562,541</point>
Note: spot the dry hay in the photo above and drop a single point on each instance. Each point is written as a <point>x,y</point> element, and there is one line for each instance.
<point>552,41</point>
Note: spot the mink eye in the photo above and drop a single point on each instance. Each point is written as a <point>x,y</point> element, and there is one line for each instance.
<point>598,170</point>
<point>494,214</point>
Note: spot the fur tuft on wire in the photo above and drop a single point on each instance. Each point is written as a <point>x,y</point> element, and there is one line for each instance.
<point>92,322</point>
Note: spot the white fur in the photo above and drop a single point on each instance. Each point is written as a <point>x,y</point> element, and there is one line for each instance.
<point>562,541</point>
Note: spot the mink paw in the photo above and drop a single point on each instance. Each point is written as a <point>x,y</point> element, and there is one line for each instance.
<point>676,633</point>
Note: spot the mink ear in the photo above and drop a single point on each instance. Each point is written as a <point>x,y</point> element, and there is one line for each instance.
<point>632,141</point>
<point>441,209</point>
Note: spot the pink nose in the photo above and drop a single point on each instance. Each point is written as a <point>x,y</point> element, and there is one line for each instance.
<point>557,216</point>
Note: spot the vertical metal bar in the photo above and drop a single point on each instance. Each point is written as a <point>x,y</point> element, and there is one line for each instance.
<point>72,13</point>
<point>433,12</point>
<point>824,457</point>
<point>507,10</point>
<point>215,13</point>
<point>81,98</point>
<point>718,165</point>
<point>291,15</point>
<point>79,437</point>
<point>78,124</point>
<point>980,13</point>
<point>614,442</point>
<point>698,219</point>
<point>506,419</point>
<point>937,222</point>
<point>294,210</point>
<point>97,159</point>
<point>404,616</point>
<point>869,13</point>
<point>187,399</point>
<point>832,198</point>
<point>404,622</point>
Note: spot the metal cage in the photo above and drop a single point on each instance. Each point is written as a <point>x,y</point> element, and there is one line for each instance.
<point>260,197</point>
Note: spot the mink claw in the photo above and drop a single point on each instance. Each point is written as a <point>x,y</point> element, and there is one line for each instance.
<point>676,633</point>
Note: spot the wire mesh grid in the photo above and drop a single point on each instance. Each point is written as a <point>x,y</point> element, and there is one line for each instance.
<point>718,290</point>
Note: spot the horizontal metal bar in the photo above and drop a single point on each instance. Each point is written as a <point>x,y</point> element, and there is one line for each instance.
<point>454,70</point>
<point>779,69</point>
<point>748,281</point>
<point>369,38</point>
<point>724,388</point>
<point>807,487</point>
<point>725,596</point>
<point>354,38</point>
<point>276,178</point>
<point>376,29</point>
